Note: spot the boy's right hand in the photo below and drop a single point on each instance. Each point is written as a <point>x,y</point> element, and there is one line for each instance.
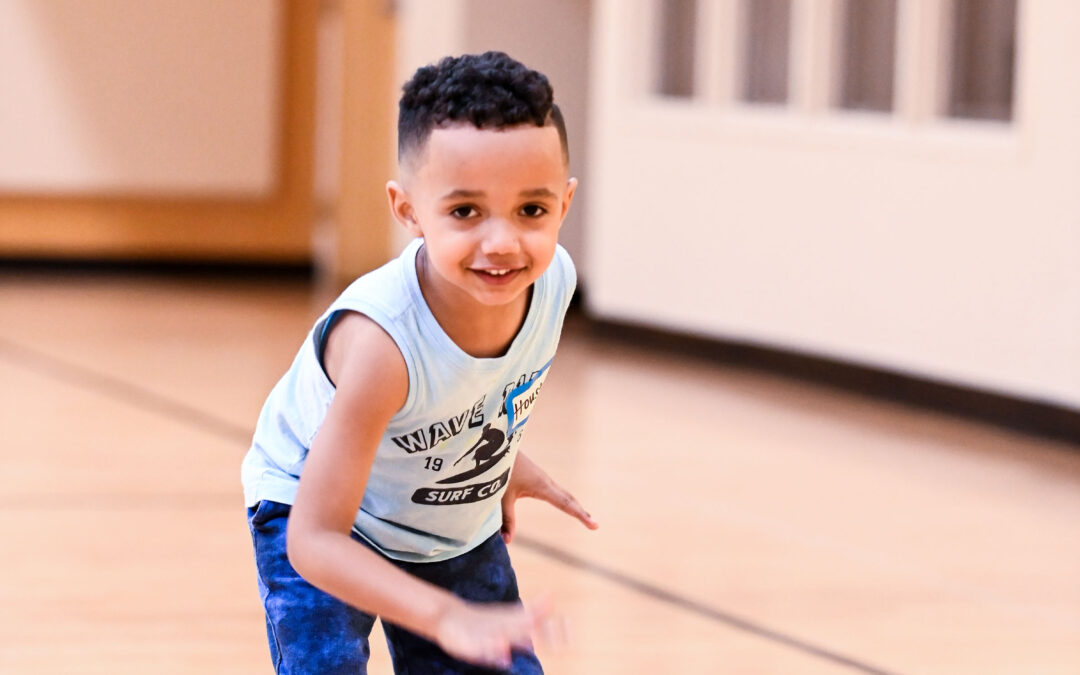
<point>485,634</point>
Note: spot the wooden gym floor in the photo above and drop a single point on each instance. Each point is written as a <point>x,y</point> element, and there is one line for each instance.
<point>750,524</point>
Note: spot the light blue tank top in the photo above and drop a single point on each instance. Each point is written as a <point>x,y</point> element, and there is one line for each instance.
<point>445,459</point>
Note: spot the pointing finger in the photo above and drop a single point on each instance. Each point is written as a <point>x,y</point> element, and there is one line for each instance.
<point>565,502</point>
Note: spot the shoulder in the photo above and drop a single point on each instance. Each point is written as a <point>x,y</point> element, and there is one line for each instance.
<point>361,357</point>
<point>562,268</point>
<point>374,305</point>
<point>560,280</point>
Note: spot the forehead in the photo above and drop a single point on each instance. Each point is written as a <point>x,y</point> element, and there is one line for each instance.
<point>462,154</point>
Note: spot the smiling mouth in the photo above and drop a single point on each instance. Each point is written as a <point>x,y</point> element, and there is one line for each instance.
<point>497,276</point>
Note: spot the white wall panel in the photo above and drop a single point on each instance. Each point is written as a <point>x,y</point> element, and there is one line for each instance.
<point>944,249</point>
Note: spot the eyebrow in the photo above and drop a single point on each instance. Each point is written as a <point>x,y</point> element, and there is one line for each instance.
<point>462,194</point>
<point>475,194</point>
<point>539,192</point>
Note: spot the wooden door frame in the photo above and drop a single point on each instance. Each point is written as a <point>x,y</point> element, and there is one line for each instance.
<point>361,219</point>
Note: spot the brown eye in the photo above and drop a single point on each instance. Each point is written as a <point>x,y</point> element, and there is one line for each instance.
<point>533,210</point>
<point>463,212</point>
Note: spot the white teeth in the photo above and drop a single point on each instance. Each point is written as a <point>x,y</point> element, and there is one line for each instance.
<point>497,273</point>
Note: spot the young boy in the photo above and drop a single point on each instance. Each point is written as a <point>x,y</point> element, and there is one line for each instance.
<point>379,477</point>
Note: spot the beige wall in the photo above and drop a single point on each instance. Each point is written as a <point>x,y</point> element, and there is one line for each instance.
<point>185,130</point>
<point>140,96</point>
<point>947,250</point>
<point>135,144</point>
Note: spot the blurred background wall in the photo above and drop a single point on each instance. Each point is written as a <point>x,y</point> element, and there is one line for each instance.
<point>889,183</point>
<point>140,97</point>
<point>160,129</point>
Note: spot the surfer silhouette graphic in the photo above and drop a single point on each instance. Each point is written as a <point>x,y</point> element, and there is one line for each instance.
<point>485,452</point>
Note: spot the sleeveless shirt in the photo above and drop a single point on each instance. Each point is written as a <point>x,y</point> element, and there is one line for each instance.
<point>445,459</point>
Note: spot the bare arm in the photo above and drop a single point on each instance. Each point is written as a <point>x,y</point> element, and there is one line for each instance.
<point>372,385</point>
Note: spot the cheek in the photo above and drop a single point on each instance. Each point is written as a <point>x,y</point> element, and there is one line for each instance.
<point>541,247</point>
<point>453,246</point>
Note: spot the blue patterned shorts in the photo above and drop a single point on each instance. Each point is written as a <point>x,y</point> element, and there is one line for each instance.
<point>313,632</point>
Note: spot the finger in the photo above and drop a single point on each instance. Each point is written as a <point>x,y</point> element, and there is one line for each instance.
<point>521,630</point>
<point>504,659</point>
<point>565,502</point>
<point>509,521</point>
<point>498,657</point>
<point>549,626</point>
<point>540,608</point>
<point>589,522</point>
<point>554,632</point>
<point>494,650</point>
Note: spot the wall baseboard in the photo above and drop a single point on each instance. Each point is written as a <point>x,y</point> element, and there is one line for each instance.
<point>1037,418</point>
<point>226,269</point>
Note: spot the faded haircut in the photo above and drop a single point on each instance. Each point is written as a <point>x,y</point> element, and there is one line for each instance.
<point>489,90</point>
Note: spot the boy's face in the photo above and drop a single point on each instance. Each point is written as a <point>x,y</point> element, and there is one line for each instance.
<point>489,204</point>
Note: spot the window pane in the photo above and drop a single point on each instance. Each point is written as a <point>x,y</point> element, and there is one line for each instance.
<point>983,54</point>
<point>867,55</point>
<point>678,19</point>
<point>766,39</point>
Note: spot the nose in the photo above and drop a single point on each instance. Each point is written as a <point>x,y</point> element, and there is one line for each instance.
<point>500,238</point>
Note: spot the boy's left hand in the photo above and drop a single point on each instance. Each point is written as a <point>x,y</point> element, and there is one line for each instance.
<point>529,480</point>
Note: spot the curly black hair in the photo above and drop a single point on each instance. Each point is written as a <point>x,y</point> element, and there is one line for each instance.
<point>490,90</point>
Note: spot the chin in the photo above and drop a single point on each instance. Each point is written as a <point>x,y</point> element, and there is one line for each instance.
<point>497,299</point>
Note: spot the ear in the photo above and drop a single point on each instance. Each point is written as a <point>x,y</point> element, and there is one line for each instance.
<point>571,187</point>
<point>402,208</point>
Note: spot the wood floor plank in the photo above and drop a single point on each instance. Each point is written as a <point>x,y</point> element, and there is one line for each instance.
<point>897,538</point>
